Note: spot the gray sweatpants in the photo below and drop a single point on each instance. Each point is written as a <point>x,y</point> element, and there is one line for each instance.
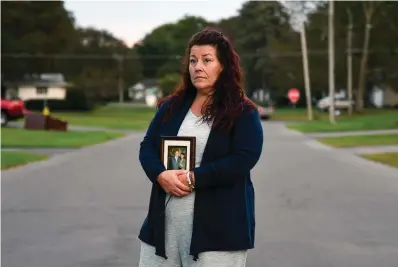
<point>179,216</point>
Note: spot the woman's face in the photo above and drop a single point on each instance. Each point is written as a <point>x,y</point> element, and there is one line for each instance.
<point>204,67</point>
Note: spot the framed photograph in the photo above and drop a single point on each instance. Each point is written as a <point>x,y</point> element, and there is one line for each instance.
<point>178,152</point>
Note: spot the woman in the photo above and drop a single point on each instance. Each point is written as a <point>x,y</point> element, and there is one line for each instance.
<point>209,219</point>
<point>183,162</point>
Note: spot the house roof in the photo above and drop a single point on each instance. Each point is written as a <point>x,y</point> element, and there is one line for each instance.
<point>41,80</point>
<point>144,84</point>
<point>39,83</point>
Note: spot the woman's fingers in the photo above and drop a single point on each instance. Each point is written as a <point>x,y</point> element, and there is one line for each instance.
<point>179,193</point>
<point>180,189</point>
<point>180,172</point>
<point>182,186</point>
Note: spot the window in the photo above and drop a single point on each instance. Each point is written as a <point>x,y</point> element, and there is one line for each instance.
<point>41,90</point>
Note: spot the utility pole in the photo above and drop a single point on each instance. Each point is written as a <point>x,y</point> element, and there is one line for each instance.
<point>306,72</point>
<point>331,62</point>
<point>349,61</point>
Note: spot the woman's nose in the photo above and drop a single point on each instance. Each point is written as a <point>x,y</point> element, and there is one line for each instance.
<point>199,65</point>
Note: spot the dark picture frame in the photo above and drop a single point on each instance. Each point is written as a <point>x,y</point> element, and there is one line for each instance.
<point>178,152</point>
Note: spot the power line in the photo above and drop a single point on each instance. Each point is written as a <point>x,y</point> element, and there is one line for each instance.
<point>179,57</point>
<point>86,56</point>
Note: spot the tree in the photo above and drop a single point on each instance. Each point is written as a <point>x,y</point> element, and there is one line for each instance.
<point>116,62</point>
<point>34,28</point>
<point>160,51</point>
<point>369,9</point>
<point>40,37</point>
<point>228,26</point>
<point>259,23</point>
<point>262,33</point>
<point>168,83</point>
<point>381,60</point>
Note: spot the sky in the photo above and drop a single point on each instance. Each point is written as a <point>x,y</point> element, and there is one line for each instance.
<point>131,20</point>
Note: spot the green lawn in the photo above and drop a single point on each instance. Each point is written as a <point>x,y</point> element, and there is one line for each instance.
<point>16,158</point>
<point>22,138</point>
<point>138,118</point>
<point>371,120</point>
<point>386,158</point>
<point>361,140</point>
<point>112,117</point>
<point>290,114</point>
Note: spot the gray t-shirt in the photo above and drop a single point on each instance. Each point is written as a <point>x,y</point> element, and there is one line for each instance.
<point>193,126</point>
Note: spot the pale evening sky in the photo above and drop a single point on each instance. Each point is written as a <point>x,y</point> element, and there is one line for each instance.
<point>131,20</point>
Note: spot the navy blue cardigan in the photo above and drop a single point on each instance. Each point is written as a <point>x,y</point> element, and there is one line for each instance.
<point>224,217</point>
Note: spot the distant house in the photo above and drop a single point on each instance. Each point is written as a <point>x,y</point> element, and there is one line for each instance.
<point>384,96</point>
<point>142,89</point>
<point>46,86</point>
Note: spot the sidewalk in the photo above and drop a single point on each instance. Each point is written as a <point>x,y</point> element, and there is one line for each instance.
<point>338,134</point>
<point>359,149</point>
<point>370,149</point>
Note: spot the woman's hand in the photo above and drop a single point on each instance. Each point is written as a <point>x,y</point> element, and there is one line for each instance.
<point>170,182</point>
<point>183,178</point>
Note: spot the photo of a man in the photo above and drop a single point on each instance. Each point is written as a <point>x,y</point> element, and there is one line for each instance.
<point>174,161</point>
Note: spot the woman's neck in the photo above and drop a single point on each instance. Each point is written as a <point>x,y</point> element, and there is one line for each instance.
<point>202,97</point>
<point>199,103</point>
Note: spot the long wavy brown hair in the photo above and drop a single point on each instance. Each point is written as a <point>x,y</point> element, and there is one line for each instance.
<point>228,99</point>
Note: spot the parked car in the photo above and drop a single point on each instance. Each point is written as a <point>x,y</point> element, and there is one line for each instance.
<point>340,102</point>
<point>12,108</point>
<point>265,109</point>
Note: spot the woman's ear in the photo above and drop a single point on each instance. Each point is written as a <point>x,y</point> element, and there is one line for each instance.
<point>221,69</point>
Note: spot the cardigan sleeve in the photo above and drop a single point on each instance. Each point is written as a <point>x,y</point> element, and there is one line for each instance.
<point>149,155</point>
<point>247,148</point>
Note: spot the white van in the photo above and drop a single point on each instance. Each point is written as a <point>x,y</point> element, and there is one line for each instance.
<point>340,102</point>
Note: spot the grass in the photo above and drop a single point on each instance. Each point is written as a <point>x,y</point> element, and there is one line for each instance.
<point>370,120</point>
<point>290,114</point>
<point>130,117</point>
<point>21,138</point>
<point>17,158</point>
<point>111,117</point>
<point>361,140</point>
<point>386,158</point>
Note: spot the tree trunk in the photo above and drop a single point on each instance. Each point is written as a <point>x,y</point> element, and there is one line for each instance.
<point>120,80</point>
<point>362,79</point>
<point>364,60</point>
<point>332,118</point>
<point>349,61</point>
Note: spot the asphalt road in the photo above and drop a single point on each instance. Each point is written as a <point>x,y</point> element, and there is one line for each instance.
<point>316,207</point>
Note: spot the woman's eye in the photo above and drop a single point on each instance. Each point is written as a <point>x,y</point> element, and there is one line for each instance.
<point>207,60</point>
<point>192,61</point>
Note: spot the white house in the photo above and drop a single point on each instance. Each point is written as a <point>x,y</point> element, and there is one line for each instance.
<point>146,90</point>
<point>48,86</point>
<point>384,97</point>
